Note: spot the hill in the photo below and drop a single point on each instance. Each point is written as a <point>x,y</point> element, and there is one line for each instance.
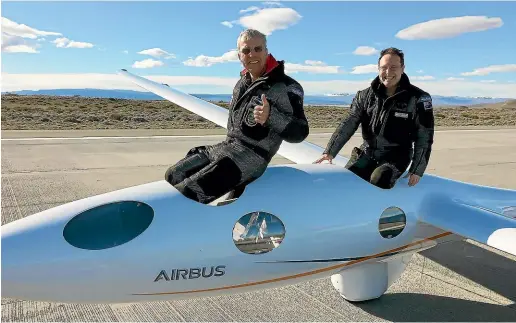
<point>341,99</point>
<point>41,112</point>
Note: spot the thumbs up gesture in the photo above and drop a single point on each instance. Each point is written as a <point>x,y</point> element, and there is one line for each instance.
<point>261,112</point>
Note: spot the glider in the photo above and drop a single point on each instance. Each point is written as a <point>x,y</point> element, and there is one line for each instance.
<point>297,222</point>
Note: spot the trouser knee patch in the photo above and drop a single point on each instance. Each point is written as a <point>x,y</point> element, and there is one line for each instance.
<point>196,150</point>
<point>186,167</point>
<point>220,178</point>
<point>361,164</point>
<point>383,176</point>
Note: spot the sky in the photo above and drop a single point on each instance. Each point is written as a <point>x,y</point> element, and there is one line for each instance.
<point>455,49</point>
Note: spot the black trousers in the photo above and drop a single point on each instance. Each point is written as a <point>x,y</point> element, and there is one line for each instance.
<point>383,174</point>
<point>208,172</point>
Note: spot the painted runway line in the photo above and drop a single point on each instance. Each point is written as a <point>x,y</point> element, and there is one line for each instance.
<point>198,136</point>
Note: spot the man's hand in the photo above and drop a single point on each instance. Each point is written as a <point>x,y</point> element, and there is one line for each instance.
<point>261,112</point>
<point>324,157</point>
<point>413,180</point>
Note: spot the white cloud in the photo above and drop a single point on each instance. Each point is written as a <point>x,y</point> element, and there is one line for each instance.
<point>488,81</point>
<point>64,42</point>
<point>15,29</point>
<point>492,69</point>
<point>125,51</point>
<point>272,4</point>
<point>157,52</point>
<point>423,78</point>
<point>20,38</point>
<point>16,44</point>
<point>20,49</point>
<point>147,63</point>
<point>314,67</point>
<point>455,79</point>
<point>195,84</point>
<point>366,51</point>
<point>250,9</point>
<point>206,61</point>
<point>204,84</point>
<point>445,88</point>
<point>468,88</point>
<point>271,19</point>
<point>14,37</point>
<point>420,71</point>
<point>310,62</point>
<point>365,69</point>
<point>449,27</point>
<point>267,20</point>
<point>227,24</point>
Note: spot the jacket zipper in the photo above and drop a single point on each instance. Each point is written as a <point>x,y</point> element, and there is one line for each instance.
<point>384,121</point>
<point>235,105</point>
<point>252,87</point>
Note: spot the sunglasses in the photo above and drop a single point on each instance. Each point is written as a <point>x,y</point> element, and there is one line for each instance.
<point>247,50</point>
<point>392,68</point>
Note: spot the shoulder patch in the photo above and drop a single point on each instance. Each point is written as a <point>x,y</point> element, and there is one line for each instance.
<point>426,100</point>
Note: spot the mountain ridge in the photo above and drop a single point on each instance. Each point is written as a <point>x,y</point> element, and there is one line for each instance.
<point>343,99</point>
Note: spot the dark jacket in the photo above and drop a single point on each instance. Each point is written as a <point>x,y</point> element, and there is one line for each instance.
<point>398,129</point>
<point>286,119</point>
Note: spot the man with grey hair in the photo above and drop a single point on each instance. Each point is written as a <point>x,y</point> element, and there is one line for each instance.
<point>265,109</point>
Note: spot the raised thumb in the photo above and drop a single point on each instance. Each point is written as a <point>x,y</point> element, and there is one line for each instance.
<point>264,99</point>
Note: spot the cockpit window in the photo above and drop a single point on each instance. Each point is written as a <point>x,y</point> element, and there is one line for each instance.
<point>109,225</point>
<point>258,232</point>
<point>392,222</point>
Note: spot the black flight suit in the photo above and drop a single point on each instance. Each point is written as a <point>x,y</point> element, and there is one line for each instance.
<point>208,172</point>
<point>396,131</point>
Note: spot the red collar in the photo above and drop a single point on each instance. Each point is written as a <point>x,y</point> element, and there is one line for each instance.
<point>270,64</point>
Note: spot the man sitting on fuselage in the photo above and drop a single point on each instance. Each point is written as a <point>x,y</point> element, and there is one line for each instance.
<point>265,109</point>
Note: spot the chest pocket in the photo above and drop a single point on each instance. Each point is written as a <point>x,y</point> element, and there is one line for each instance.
<point>248,125</point>
<point>400,122</point>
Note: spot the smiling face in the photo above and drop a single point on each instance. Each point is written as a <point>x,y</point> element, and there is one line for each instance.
<point>253,55</point>
<point>390,69</point>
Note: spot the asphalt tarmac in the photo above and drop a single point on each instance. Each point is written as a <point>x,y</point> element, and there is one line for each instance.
<point>458,281</point>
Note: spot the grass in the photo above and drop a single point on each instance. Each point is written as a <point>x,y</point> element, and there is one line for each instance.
<point>39,112</point>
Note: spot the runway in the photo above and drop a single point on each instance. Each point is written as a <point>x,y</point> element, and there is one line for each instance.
<point>460,281</point>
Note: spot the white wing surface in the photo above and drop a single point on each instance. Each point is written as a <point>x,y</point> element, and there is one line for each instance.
<point>300,153</point>
<point>476,217</point>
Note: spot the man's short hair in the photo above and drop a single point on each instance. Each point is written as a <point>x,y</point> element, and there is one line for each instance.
<point>392,51</point>
<point>248,34</point>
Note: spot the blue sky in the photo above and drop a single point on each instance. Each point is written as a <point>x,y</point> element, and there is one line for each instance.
<point>190,45</point>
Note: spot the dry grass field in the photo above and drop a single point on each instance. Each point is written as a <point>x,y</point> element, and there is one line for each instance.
<point>40,112</point>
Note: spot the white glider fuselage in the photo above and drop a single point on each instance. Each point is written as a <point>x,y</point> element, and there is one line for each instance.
<point>187,249</point>
<point>294,223</point>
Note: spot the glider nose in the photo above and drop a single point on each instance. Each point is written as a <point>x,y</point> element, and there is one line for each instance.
<point>22,254</point>
<point>60,253</point>
<point>87,251</point>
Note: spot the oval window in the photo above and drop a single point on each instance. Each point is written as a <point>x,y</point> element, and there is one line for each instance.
<point>109,225</point>
<point>392,222</point>
<point>258,232</point>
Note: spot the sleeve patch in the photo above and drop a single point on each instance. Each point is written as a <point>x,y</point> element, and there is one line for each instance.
<point>427,101</point>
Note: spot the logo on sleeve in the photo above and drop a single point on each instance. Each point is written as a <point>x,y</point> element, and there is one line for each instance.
<point>427,101</point>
